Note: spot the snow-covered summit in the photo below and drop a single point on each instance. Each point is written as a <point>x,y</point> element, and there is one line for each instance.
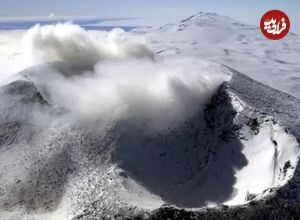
<point>207,19</point>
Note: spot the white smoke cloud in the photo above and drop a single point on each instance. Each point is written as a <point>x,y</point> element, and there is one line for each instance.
<point>73,45</point>
<point>119,77</point>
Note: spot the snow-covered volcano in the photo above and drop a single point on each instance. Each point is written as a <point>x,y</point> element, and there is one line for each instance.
<point>238,149</point>
<point>118,132</point>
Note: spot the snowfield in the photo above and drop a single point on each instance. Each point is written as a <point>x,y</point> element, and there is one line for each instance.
<point>154,124</point>
<point>223,40</point>
<point>10,53</point>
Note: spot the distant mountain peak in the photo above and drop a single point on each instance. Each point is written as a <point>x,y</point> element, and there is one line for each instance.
<point>210,19</point>
<point>212,16</point>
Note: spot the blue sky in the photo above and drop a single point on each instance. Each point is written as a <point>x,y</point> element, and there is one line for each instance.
<point>155,11</point>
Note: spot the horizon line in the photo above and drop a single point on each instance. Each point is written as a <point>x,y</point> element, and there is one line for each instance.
<point>63,17</point>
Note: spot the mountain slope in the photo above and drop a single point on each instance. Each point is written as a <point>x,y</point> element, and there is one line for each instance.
<point>235,156</point>
<point>66,169</point>
<point>218,38</point>
<point>283,202</point>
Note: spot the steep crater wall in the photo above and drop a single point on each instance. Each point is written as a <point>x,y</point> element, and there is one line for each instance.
<point>230,154</point>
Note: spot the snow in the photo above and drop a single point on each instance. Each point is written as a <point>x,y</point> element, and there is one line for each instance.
<point>136,195</point>
<point>265,161</point>
<point>11,50</point>
<point>56,163</point>
<point>240,46</point>
<point>208,36</point>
